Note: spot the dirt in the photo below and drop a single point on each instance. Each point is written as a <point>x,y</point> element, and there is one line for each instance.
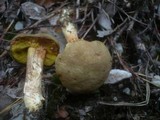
<point>134,25</point>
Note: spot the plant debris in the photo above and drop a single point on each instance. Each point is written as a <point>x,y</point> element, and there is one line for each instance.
<point>131,31</point>
<point>117,75</point>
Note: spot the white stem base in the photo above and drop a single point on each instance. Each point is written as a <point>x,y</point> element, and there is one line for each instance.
<point>32,88</point>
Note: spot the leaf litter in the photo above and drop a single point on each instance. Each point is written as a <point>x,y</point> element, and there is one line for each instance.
<point>130,29</point>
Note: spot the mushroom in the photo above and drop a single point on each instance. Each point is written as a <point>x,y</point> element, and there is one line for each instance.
<point>83,66</point>
<point>35,50</point>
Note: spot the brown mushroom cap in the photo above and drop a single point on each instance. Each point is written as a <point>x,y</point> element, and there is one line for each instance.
<point>21,43</point>
<point>83,66</point>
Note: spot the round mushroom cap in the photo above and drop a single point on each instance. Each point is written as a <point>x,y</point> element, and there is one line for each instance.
<point>21,43</point>
<point>83,66</point>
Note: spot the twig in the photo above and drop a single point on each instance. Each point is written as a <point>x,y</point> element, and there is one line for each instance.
<point>92,18</point>
<point>85,14</point>
<point>3,53</point>
<point>131,23</point>
<point>77,9</point>
<point>90,27</point>
<point>19,100</point>
<point>118,33</point>
<point>48,16</point>
<point>7,29</point>
<point>40,26</point>
<point>18,11</point>
<point>130,17</point>
<point>122,62</point>
<point>143,103</point>
<point>157,31</point>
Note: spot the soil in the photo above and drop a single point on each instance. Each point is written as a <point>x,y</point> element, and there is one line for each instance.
<point>134,25</point>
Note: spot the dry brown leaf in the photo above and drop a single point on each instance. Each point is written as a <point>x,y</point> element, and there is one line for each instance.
<point>61,112</point>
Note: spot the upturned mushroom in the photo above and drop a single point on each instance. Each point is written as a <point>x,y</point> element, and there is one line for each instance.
<point>35,50</point>
<point>83,66</point>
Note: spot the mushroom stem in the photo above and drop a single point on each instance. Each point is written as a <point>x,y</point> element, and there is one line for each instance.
<point>69,29</point>
<point>32,88</point>
<point>70,32</point>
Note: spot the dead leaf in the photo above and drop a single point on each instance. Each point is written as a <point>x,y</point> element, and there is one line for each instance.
<point>105,24</point>
<point>47,3</point>
<point>156,80</point>
<point>33,11</point>
<point>61,112</point>
<point>2,6</point>
<point>117,75</point>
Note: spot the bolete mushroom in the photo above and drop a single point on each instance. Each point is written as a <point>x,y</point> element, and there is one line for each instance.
<point>35,50</point>
<point>83,66</point>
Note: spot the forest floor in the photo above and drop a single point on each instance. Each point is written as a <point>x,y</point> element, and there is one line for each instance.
<point>129,28</point>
